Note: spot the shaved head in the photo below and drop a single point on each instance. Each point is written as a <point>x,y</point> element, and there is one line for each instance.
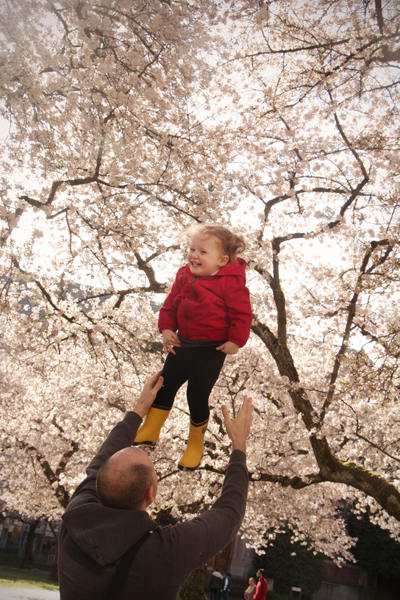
<point>124,480</point>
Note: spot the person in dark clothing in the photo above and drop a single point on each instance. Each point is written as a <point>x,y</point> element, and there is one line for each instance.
<point>102,522</point>
<point>225,586</point>
<point>215,585</point>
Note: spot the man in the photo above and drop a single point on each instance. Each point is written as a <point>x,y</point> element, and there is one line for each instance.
<point>225,586</point>
<point>103,522</point>
<point>261,589</point>
<point>215,585</point>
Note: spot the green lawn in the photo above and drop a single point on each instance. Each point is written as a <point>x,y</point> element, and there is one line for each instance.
<point>11,575</point>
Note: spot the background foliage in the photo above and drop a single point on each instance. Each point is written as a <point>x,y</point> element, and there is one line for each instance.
<point>291,564</point>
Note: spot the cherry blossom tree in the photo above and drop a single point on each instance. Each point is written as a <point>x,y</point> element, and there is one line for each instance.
<point>128,122</point>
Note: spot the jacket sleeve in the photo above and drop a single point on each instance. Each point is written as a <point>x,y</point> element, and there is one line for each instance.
<point>121,436</point>
<point>193,543</point>
<point>237,298</point>
<point>168,318</point>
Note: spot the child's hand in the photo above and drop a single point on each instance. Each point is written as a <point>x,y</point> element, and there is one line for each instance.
<point>170,340</point>
<point>229,348</point>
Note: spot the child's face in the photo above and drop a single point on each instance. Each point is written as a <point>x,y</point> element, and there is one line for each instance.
<point>205,255</point>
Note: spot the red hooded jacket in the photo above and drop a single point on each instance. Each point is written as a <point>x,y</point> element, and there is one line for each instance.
<point>215,307</point>
<point>261,590</point>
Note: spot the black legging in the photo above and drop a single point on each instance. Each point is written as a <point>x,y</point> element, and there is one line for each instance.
<point>200,366</point>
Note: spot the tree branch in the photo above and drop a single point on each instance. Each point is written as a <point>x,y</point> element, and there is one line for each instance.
<point>351,309</point>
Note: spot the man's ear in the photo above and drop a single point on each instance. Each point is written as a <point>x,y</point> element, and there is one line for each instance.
<point>149,495</point>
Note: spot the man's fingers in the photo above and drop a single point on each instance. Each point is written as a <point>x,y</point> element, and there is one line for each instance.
<point>225,413</point>
<point>239,429</point>
<point>153,391</point>
<point>159,382</point>
<point>151,383</point>
<point>148,394</point>
<point>247,404</point>
<point>247,408</point>
<point>154,380</point>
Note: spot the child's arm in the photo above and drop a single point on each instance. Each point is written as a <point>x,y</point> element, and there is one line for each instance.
<point>237,299</point>
<point>167,318</point>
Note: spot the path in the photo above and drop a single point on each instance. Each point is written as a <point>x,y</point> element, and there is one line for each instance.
<point>27,593</point>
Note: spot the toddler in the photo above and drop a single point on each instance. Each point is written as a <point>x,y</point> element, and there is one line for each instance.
<point>206,316</point>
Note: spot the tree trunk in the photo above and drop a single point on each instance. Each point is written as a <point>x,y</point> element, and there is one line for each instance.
<point>53,577</point>
<point>29,557</point>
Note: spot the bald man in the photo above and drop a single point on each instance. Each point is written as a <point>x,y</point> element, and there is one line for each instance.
<point>107,516</point>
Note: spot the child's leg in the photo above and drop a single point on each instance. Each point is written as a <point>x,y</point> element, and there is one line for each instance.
<point>204,371</point>
<point>205,367</point>
<point>175,375</point>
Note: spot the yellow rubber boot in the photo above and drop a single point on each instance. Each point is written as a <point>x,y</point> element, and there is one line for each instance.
<point>149,432</point>
<point>195,447</point>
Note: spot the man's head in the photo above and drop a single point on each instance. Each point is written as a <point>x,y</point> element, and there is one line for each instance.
<point>260,573</point>
<point>127,480</point>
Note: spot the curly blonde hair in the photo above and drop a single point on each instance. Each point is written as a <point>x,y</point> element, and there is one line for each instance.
<point>231,244</point>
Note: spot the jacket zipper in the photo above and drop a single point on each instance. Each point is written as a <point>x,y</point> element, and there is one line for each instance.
<point>187,302</point>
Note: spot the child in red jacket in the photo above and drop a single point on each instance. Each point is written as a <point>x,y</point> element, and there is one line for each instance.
<point>206,316</point>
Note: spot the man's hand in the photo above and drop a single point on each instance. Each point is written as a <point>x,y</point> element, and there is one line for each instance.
<point>170,340</point>
<point>148,395</point>
<point>239,429</point>
<point>229,348</point>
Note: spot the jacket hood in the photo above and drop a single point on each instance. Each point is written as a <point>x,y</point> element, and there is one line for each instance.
<point>237,268</point>
<point>105,534</point>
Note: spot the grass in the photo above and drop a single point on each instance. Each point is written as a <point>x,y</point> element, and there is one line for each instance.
<point>11,575</point>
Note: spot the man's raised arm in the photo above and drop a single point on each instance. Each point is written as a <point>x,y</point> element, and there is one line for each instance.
<point>239,429</point>
<point>123,434</point>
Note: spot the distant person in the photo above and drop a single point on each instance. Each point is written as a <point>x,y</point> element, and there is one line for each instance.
<point>225,586</point>
<point>107,517</point>
<point>249,593</point>
<point>206,316</point>
<point>215,585</point>
<point>261,589</point>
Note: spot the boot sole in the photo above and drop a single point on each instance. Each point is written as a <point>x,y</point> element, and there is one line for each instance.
<point>182,468</point>
<point>145,443</point>
<point>188,468</point>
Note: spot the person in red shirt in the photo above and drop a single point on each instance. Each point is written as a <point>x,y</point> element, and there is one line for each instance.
<point>261,589</point>
<point>206,316</point>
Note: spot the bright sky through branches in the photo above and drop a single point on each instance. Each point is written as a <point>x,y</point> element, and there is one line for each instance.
<point>298,150</point>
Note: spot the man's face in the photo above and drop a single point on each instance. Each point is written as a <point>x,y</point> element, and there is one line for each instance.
<point>258,574</point>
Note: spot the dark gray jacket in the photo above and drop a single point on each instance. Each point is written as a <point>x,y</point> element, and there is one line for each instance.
<point>94,537</point>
